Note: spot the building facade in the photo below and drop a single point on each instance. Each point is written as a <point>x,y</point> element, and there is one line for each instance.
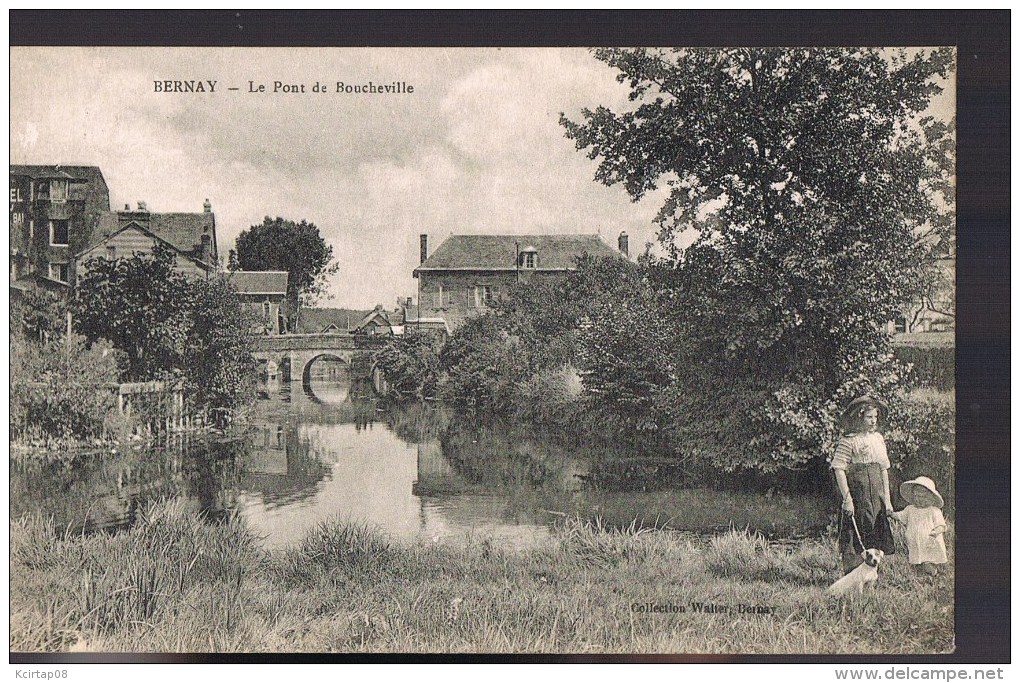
<point>54,212</point>
<point>934,314</point>
<point>262,294</point>
<point>467,272</point>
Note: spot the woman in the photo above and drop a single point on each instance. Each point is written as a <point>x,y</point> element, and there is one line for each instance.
<point>861,466</point>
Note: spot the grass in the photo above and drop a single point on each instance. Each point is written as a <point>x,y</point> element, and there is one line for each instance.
<point>174,583</point>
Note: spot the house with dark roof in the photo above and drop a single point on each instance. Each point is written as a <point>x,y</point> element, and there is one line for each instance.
<point>54,210</point>
<point>191,236</point>
<point>467,272</point>
<point>262,293</point>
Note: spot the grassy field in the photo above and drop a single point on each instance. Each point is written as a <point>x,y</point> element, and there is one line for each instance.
<point>175,584</point>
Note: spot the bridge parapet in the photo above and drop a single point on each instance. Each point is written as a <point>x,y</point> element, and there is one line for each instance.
<point>306,342</point>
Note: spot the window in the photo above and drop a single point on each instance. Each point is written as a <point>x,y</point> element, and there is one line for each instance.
<point>58,271</point>
<point>529,259</point>
<point>483,296</point>
<point>111,252</point>
<point>58,233</point>
<point>265,310</point>
<point>58,191</point>
<point>439,297</point>
<point>899,324</point>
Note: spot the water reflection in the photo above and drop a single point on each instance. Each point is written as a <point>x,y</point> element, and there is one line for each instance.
<point>299,463</point>
<point>412,473</point>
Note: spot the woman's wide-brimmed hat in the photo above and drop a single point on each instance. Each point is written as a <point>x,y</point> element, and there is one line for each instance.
<point>909,490</point>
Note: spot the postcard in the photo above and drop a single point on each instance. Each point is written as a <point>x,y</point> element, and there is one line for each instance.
<point>504,351</point>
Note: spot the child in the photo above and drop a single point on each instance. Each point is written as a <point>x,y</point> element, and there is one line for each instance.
<point>926,549</point>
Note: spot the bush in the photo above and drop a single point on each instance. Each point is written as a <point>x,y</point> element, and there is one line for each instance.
<point>549,397</point>
<point>483,365</point>
<point>58,388</point>
<point>922,441</point>
<point>932,367</point>
<point>411,365</point>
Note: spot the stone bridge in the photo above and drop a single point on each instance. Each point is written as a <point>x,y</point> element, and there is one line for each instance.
<point>294,354</point>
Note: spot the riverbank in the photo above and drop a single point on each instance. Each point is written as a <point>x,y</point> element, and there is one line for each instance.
<point>175,584</point>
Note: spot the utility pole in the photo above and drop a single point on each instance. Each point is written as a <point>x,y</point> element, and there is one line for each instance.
<point>67,339</point>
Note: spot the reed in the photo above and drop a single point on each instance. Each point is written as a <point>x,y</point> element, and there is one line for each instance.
<point>177,583</point>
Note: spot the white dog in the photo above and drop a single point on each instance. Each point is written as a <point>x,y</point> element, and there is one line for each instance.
<point>863,574</point>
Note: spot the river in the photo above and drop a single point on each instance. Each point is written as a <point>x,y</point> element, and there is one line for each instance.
<point>311,455</point>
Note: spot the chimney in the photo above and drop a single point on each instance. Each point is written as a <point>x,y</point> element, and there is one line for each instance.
<point>142,206</point>
<point>424,248</point>
<point>622,243</point>
<point>409,304</point>
<point>207,206</point>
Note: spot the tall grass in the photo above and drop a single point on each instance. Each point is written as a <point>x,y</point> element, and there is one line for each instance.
<point>174,583</point>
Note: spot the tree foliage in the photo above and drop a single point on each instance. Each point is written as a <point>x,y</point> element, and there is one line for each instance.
<point>814,193</point>
<point>411,365</point>
<point>169,327</point>
<point>298,248</point>
<point>38,316</point>
<point>141,305</point>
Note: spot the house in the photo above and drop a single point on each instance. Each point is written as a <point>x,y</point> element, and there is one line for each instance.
<point>262,292</point>
<point>935,314</point>
<point>467,272</point>
<point>54,210</point>
<point>380,322</point>
<point>191,236</point>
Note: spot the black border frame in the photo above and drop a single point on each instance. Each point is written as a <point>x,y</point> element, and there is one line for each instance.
<point>983,617</point>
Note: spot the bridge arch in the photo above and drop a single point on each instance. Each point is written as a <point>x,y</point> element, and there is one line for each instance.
<point>306,366</point>
<point>331,388</point>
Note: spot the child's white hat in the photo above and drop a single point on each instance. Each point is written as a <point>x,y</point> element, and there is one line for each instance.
<point>909,488</point>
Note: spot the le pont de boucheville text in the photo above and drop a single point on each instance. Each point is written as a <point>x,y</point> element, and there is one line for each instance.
<point>285,88</point>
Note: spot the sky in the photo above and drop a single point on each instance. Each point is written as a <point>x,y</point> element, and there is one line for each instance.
<point>477,148</point>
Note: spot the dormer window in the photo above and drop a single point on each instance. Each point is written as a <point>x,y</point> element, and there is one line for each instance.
<point>58,191</point>
<point>529,257</point>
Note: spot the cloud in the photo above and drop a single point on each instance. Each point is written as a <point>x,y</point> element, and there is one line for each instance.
<point>477,148</point>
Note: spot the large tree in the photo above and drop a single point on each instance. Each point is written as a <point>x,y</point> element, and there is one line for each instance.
<point>298,248</point>
<point>813,192</point>
<point>169,326</point>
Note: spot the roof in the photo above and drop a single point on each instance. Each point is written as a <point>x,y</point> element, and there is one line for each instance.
<point>182,231</point>
<point>50,172</point>
<point>372,315</point>
<point>314,320</point>
<point>258,281</point>
<point>428,324</point>
<point>34,281</point>
<point>105,236</point>
<point>499,252</point>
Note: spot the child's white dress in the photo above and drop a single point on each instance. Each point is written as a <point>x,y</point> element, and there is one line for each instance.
<point>921,547</point>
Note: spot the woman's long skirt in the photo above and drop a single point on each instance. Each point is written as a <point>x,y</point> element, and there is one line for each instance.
<point>866,488</point>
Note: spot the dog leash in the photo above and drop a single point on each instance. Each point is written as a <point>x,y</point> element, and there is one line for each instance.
<point>857,532</point>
